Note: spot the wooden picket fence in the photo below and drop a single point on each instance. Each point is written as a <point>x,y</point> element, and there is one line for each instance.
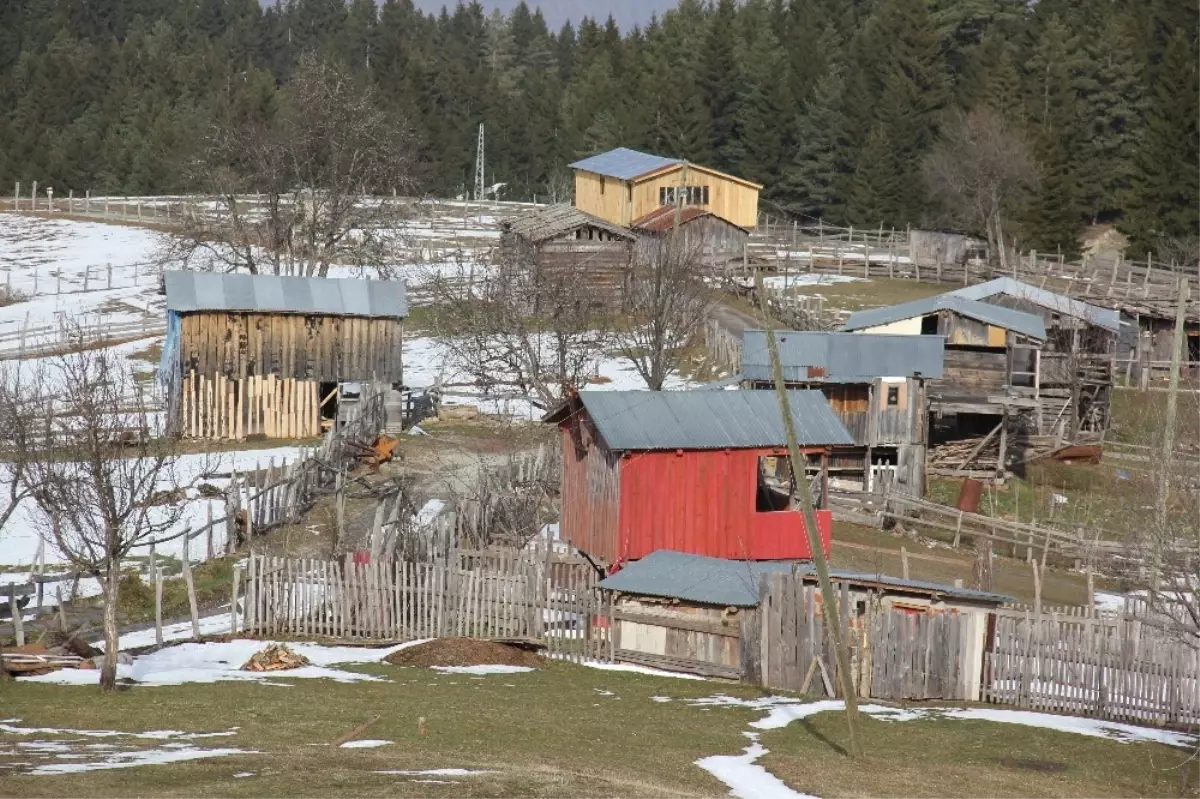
<point>222,408</point>
<point>1116,669</point>
<point>513,595</point>
<point>894,654</point>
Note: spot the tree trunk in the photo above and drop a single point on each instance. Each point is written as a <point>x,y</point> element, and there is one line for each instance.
<point>112,584</point>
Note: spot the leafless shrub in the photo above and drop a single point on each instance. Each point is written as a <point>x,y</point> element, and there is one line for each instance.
<point>668,306</point>
<point>978,170</point>
<point>515,332</point>
<point>311,186</point>
<point>96,467</point>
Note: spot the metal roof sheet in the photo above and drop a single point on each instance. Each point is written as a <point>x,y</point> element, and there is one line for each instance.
<point>654,420</point>
<point>1059,303</point>
<point>662,219</point>
<point>716,581</point>
<point>189,292</point>
<point>556,220</point>
<point>623,163</point>
<point>845,357</point>
<point>1017,321</point>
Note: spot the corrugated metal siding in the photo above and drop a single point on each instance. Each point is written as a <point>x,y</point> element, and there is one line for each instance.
<point>1058,303</point>
<point>651,420</point>
<point>190,292</point>
<point>704,503</point>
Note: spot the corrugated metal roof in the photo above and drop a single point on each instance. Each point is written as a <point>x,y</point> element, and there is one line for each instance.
<point>1060,304</point>
<point>1017,321</point>
<point>556,220</point>
<point>653,420</point>
<point>189,292</point>
<point>662,219</point>
<point>716,581</point>
<point>846,357</point>
<point>623,163</point>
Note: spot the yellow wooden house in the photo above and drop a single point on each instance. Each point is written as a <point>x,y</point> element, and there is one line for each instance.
<point>622,185</point>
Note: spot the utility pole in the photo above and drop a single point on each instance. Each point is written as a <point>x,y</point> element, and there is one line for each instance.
<point>1168,440</point>
<point>799,465</point>
<point>479,167</point>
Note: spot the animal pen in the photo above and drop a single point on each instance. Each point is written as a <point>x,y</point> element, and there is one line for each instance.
<point>260,355</point>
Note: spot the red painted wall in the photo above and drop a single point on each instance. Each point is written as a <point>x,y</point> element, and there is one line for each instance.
<point>700,501</point>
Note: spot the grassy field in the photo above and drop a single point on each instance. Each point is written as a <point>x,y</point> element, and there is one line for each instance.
<point>560,731</point>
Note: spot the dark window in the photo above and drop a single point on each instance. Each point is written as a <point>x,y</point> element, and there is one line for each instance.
<point>602,182</point>
<point>692,195</point>
<point>929,325</point>
<point>893,395</point>
<point>774,491</point>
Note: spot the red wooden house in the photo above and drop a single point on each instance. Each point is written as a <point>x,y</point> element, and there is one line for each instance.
<point>703,472</point>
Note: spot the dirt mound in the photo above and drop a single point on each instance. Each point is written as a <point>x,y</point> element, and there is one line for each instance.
<point>464,652</point>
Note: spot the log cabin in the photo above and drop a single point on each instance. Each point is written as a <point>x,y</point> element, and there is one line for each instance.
<point>263,355</point>
<point>876,386</point>
<point>622,185</point>
<point>560,250</point>
<point>696,471</point>
<point>711,240</point>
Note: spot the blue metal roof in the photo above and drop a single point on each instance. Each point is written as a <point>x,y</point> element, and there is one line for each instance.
<point>844,357</point>
<point>1016,321</point>
<point>1058,303</point>
<point>716,581</point>
<point>191,292</point>
<point>655,420</point>
<point>623,163</point>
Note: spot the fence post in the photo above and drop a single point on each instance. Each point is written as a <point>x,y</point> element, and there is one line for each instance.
<point>87,202</point>
<point>33,197</point>
<point>71,201</point>
<point>18,622</point>
<point>17,196</point>
<point>233,599</point>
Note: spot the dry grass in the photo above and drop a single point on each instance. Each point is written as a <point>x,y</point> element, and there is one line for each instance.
<point>546,733</point>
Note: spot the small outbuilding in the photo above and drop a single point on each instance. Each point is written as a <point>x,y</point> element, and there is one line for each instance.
<point>622,185</point>
<point>875,384</point>
<point>714,240</point>
<point>762,623</point>
<point>264,355</point>
<point>704,472</point>
<point>560,249</point>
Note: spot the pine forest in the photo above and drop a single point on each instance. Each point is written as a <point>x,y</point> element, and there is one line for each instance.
<point>855,111</point>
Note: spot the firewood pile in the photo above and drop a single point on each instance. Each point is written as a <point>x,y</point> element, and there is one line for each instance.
<point>951,455</point>
<point>276,657</point>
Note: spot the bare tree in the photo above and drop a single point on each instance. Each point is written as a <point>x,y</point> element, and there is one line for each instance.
<point>978,170</point>
<point>18,425</point>
<point>517,332</point>
<point>313,185</point>
<point>104,480</point>
<point>668,306</point>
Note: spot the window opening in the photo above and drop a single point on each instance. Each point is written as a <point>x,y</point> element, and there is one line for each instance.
<point>893,395</point>
<point>774,492</point>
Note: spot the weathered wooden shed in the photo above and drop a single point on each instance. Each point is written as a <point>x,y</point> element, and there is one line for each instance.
<point>876,386</point>
<point>696,471</point>
<point>990,364</point>
<point>725,618</point>
<point>1075,365</point>
<point>249,355</point>
<point>944,247</point>
<point>715,240</point>
<point>562,249</point>
<point>622,185</point>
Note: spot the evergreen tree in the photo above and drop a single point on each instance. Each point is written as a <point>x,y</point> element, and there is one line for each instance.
<point>719,81</point>
<point>1164,192</point>
<point>816,181</point>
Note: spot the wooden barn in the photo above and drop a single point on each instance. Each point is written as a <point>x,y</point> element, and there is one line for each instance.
<point>562,249</point>
<point>694,471</point>
<point>990,364</point>
<point>260,355</point>
<point>714,240</point>
<point>723,618</point>
<point>876,386</point>
<point>622,185</point>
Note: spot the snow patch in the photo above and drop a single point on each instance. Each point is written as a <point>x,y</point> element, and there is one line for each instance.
<point>366,743</point>
<point>747,779</point>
